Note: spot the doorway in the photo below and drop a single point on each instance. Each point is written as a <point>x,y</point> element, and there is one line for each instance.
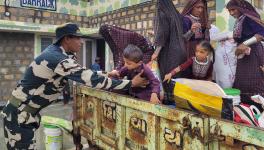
<point>87,53</point>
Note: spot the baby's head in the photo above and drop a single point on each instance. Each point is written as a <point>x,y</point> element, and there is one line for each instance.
<point>203,50</point>
<point>132,57</point>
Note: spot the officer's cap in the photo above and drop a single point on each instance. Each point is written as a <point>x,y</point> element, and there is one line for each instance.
<point>67,29</point>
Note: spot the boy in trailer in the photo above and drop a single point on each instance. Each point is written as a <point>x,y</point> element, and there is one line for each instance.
<point>133,65</point>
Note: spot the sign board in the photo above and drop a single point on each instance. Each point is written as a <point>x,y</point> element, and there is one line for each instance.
<point>39,4</point>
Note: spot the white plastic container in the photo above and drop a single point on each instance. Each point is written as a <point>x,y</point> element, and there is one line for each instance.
<point>53,139</point>
<point>234,94</point>
<point>236,99</point>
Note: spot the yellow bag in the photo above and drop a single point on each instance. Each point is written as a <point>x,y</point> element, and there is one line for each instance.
<point>192,99</point>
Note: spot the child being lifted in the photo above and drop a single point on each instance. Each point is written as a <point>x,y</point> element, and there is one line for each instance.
<point>133,56</point>
<point>202,64</point>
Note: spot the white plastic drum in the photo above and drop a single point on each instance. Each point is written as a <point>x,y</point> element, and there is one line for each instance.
<point>53,139</point>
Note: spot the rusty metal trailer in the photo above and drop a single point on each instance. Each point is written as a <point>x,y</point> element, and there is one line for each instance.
<point>112,121</point>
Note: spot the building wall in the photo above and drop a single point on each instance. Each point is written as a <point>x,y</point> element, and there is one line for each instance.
<point>16,53</point>
<point>137,17</point>
<point>140,17</point>
<point>75,7</point>
<point>41,17</point>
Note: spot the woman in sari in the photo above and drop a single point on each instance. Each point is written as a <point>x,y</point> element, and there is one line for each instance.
<point>248,32</point>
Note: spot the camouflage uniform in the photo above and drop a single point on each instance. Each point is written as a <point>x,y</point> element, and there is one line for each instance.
<point>42,83</point>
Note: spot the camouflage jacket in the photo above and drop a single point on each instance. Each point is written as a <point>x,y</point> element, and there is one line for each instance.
<point>47,75</point>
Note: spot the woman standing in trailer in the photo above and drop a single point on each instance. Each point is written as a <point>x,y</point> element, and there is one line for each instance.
<point>196,26</point>
<point>248,32</point>
<point>169,42</point>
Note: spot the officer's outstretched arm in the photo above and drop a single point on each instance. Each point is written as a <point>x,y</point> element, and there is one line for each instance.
<point>70,69</point>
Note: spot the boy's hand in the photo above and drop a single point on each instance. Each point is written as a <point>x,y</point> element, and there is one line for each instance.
<point>262,68</point>
<point>167,77</point>
<point>154,99</point>
<point>113,73</point>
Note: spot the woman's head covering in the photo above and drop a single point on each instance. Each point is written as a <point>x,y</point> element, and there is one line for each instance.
<point>246,9</point>
<point>169,35</point>
<point>168,24</point>
<point>118,38</point>
<point>188,9</point>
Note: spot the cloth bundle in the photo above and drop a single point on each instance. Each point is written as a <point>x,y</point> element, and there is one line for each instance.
<point>250,114</point>
<point>245,114</point>
<point>225,58</point>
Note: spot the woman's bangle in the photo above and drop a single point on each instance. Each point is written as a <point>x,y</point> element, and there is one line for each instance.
<point>250,41</point>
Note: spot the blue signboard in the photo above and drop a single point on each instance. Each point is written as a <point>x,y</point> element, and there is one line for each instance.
<point>39,4</point>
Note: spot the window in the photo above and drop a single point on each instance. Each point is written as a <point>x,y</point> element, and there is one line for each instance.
<point>45,42</point>
<point>87,54</point>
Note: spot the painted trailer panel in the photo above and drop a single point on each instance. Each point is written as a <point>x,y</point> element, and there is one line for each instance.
<point>112,121</point>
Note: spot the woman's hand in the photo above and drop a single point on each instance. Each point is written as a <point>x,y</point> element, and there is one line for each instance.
<point>241,49</point>
<point>262,68</point>
<point>259,37</point>
<point>154,98</point>
<point>172,73</point>
<point>167,77</point>
<point>195,27</point>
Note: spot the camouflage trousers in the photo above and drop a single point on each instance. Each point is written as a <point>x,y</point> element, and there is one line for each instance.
<point>19,128</point>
